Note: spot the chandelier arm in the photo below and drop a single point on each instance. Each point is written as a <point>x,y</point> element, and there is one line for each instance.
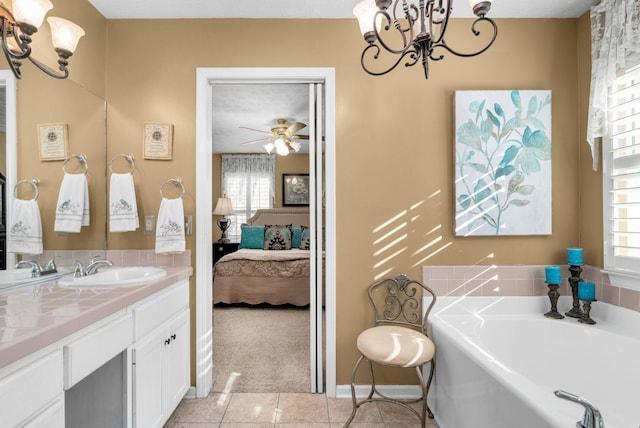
<point>441,24</point>
<point>443,44</point>
<point>413,54</point>
<point>62,62</point>
<point>406,43</point>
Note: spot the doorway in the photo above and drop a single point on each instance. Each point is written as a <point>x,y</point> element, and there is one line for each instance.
<point>206,79</point>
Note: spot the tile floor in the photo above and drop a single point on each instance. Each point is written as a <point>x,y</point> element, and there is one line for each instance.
<point>286,410</point>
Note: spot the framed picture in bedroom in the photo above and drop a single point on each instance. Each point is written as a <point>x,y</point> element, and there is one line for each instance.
<point>295,190</point>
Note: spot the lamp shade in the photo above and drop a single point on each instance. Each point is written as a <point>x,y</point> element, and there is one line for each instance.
<point>64,34</point>
<point>365,12</point>
<point>31,12</point>
<point>224,207</point>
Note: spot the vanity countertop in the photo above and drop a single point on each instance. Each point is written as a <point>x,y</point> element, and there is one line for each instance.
<point>34,316</point>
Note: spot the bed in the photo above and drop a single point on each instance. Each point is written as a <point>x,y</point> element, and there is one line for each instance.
<point>254,276</point>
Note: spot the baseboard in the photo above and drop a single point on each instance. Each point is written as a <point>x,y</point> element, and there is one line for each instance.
<point>191,393</point>
<point>393,391</point>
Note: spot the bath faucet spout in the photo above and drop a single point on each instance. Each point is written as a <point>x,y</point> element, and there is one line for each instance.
<point>94,265</point>
<point>592,417</point>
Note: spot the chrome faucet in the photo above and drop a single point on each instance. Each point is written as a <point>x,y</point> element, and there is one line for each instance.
<point>592,417</point>
<point>92,267</point>
<point>36,270</point>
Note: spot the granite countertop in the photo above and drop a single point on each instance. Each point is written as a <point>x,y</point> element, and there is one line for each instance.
<point>34,316</point>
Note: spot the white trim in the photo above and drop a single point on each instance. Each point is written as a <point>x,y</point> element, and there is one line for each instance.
<point>205,77</point>
<point>392,391</point>
<point>624,280</point>
<point>9,81</point>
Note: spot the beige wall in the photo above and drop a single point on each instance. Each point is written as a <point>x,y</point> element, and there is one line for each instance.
<point>394,156</point>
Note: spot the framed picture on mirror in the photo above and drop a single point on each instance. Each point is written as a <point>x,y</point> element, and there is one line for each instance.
<point>295,190</point>
<point>53,141</point>
<point>157,141</point>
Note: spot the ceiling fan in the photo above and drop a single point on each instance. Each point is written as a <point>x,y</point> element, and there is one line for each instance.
<point>282,137</point>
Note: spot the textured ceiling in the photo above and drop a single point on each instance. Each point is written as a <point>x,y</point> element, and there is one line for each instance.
<point>153,9</point>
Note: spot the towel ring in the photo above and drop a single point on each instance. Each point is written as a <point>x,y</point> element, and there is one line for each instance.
<point>81,158</point>
<point>34,182</point>
<point>177,181</point>
<point>128,156</point>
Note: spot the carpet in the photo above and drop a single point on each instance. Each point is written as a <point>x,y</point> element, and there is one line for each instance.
<point>258,349</point>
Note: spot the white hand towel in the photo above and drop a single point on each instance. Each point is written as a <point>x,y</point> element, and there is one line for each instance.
<point>72,211</point>
<point>122,202</point>
<point>170,227</point>
<point>25,227</point>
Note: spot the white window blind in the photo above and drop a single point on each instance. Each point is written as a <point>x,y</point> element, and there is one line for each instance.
<point>622,175</point>
<point>249,181</point>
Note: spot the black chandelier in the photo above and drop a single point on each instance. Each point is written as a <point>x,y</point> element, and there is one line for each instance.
<point>416,31</point>
<point>20,19</point>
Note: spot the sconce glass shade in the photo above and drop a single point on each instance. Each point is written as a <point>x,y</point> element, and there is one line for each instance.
<point>31,12</point>
<point>480,7</point>
<point>296,146</point>
<point>269,147</point>
<point>224,207</point>
<point>64,34</point>
<point>365,12</point>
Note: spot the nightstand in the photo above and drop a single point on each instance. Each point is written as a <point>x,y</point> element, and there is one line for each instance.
<point>222,248</point>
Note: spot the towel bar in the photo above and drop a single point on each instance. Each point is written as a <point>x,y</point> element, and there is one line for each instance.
<point>81,158</point>
<point>34,182</point>
<point>128,156</point>
<point>177,181</point>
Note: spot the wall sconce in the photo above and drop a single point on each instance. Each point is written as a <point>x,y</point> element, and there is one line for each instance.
<point>224,208</point>
<point>17,27</point>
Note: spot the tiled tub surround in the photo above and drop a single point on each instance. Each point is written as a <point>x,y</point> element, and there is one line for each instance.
<point>526,280</point>
<point>118,257</point>
<point>499,361</point>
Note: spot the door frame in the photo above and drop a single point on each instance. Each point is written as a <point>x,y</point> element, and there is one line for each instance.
<point>205,79</point>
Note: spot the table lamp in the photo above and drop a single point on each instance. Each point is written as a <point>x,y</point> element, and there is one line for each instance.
<point>224,208</point>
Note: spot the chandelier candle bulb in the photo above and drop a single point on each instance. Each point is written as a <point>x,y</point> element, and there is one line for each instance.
<point>552,274</point>
<point>574,256</point>
<point>587,291</point>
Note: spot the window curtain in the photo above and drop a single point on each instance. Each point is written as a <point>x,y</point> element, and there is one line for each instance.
<point>249,180</point>
<point>615,46</point>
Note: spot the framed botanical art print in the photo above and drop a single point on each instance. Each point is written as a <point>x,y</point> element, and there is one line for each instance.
<point>502,162</point>
<point>158,141</point>
<point>53,141</point>
<point>295,190</point>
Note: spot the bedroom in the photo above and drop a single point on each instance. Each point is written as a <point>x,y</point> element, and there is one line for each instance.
<point>251,179</point>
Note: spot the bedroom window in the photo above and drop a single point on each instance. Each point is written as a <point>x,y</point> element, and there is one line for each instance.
<point>621,173</point>
<point>249,180</point>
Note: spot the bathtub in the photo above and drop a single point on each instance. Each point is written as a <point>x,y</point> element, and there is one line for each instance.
<point>499,360</point>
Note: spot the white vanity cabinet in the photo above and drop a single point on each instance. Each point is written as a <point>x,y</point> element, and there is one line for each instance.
<point>33,395</point>
<point>160,357</point>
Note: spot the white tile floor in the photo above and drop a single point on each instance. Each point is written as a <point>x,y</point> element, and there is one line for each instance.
<point>290,410</point>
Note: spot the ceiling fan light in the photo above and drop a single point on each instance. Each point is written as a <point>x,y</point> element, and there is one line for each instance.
<point>295,145</point>
<point>31,12</point>
<point>280,144</point>
<point>282,151</point>
<point>269,147</point>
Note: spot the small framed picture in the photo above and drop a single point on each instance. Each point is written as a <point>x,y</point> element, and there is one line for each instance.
<point>53,141</point>
<point>295,190</point>
<point>157,141</point>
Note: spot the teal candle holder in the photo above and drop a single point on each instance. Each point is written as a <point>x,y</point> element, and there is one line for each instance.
<point>554,294</point>
<point>586,312</point>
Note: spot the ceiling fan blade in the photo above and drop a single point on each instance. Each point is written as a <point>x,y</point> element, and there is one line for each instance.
<point>252,129</point>
<point>254,141</point>
<point>300,137</point>
<point>295,127</point>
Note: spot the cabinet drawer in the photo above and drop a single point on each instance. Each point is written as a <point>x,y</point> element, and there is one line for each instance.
<point>85,355</point>
<point>27,391</point>
<point>157,310</point>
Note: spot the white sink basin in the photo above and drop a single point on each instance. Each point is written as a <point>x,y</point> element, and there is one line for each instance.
<point>115,277</point>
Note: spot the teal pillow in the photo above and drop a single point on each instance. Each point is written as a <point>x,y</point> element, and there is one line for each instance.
<point>305,238</point>
<point>252,237</point>
<point>277,237</point>
<point>297,236</point>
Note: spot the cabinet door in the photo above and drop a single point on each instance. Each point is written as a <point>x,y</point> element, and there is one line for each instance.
<point>147,381</point>
<point>51,417</point>
<point>178,366</point>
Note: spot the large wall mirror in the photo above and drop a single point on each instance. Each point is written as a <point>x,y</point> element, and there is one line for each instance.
<point>42,100</point>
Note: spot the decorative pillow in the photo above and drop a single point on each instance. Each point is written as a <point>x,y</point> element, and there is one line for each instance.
<point>296,233</point>
<point>305,238</point>
<point>252,237</point>
<point>277,237</point>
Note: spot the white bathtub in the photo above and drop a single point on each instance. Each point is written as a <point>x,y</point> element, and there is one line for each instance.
<point>499,360</point>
